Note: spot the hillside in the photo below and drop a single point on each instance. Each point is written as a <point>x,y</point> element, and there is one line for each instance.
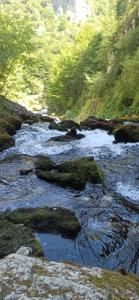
<point>75,61</point>
<point>102,77</point>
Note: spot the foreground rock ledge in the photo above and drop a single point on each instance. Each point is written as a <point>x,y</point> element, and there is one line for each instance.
<point>23,277</point>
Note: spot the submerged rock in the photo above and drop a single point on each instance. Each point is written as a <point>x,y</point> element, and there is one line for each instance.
<point>54,220</point>
<point>126,134</point>
<point>23,277</point>
<point>68,137</point>
<point>74,173</point>
<point>13,236</point>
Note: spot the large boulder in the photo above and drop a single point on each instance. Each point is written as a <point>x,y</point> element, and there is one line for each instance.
<point>74,173</point>
<point>23,277</point>
<point>126,134</point>
<point>13,236</point>
<point>54,220</point>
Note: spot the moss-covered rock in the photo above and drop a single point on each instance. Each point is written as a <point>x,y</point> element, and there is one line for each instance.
<point>55,220</point>
<point>75,173</point>
<point>13,236</point>
<point>63,179</point>
<point>126,134</point>
<point>6,141</point>
<point>44,163</point>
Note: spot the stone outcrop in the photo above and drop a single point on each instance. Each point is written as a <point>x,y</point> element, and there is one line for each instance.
<point>23,277</point>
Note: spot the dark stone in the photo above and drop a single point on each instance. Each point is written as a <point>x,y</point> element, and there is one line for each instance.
<point>54,220</point>
<point>64,125</point>
<point>25,172</point>
<point>93,123</point>
<point>68,137</point>
<point>126,134</point>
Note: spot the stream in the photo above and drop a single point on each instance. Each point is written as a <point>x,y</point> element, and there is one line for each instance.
<point>109,215</point>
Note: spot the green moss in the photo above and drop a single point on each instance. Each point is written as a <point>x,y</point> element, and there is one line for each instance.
<point>45,220</point>
<point>6,140</point>
<point>63,179</point>
<point>118,286</point>
<point>74,173</point>
<point>44,163</point>
<point>13,236</point>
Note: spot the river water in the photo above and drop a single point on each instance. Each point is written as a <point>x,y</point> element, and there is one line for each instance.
<point>109,215</point>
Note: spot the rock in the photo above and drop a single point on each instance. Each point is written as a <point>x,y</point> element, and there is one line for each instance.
<point>8,127</point>
<point>13,236</point>
<point>44,163</point>
<point>25,172</point>
<point>54,220</point>
<point>68,137</point>
<point>57,126</point>
<point>75,173</point>
<point>23,277</point>
<point>63,179</point>
<point>64,125</point>
<point>93,123</point>
<point>126,134</point>
<point>26,251</point>
<point>6,141</point>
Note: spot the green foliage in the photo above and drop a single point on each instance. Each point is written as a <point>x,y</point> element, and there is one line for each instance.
<point>75,69</point>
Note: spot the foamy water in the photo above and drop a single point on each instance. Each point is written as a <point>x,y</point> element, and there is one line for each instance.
<point>33,140</point>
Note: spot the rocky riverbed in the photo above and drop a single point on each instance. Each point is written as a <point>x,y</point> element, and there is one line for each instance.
<point>107,210</point>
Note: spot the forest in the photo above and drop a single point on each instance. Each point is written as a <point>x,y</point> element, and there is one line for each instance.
<point>74,68</point>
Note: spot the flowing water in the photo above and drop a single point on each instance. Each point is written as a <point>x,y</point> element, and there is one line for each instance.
<point>109,216</point>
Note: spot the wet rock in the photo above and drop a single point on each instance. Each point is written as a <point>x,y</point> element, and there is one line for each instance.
<point>23,277</point>
<point>75,173</point>
<point>64,125</point>
<point>54,220</point>
<point>126,134</point>
<point>95,123</point>
<point>13,236</point>
<point>68,137</point>
<point>25,172</point>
